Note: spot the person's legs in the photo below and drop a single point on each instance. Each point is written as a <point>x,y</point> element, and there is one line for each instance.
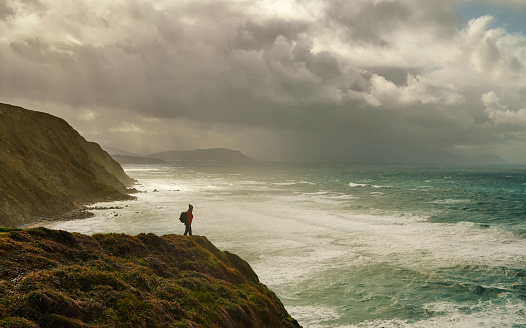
<point>190,230</point>
<point>186,229</point>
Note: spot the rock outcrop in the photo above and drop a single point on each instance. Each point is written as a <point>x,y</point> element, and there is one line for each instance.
<point>53,278</point>
<point>47,168</point>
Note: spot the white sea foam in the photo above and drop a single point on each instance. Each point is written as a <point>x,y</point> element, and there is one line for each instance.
<point>301,240</point>
<point>337,196</point>
<point>353,185</point>
<point>291,183</point>
<point>400,239</point>
<point>452,201</point>
<point>318,314</point>
<point>484,315</point>
<point>132,170</point>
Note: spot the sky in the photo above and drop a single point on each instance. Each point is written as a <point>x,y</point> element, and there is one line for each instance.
<point>387,81</point>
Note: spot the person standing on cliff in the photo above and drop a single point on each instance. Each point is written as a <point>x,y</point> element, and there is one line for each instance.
<point>189,218</point>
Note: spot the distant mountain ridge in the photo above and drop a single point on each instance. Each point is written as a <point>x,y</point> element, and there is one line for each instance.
<point>212,154</point>
<point>127,159</point>
<point>47,168</point>
<point>54,278</point>
<point>116,151</point>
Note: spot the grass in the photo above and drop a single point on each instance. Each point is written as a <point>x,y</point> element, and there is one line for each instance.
<point>51,278</point>
<point>4,229</point>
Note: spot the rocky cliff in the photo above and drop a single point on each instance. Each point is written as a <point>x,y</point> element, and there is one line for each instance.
<point>51,278</point>
<point>47,168</point>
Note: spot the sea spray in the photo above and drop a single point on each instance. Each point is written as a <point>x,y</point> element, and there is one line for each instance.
<point>411,246</point>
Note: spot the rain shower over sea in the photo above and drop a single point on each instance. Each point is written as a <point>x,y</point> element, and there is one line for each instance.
<point>351,245</point>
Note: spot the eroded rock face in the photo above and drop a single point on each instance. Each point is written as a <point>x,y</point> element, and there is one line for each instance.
<point>47,168</point>
<point>51,278</point>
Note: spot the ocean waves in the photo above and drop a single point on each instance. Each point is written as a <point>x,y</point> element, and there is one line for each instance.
<point>354,185</point>
<point>396,247</point>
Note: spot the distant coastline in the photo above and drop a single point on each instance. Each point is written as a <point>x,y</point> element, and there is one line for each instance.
<point>49,172</point>
<point>206,155</point>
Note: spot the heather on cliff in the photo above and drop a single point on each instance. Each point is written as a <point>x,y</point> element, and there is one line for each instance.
<point>53,278</point>
<point>47,168</point>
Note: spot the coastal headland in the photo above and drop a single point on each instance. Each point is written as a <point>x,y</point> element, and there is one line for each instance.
<point>53,278</point>
<point>48,170</point>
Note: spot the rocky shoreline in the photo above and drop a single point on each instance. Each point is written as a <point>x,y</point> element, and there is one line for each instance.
<point>75,214</point>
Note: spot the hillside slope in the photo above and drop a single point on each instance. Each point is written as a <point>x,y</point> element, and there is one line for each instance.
<point>52,278</point>
<point>47,168</point>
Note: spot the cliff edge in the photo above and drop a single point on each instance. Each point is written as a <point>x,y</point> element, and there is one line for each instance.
<point>47,168</point>
<point>53,278</point>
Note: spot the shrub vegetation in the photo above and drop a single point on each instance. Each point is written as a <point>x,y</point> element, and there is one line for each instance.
<point>51,278</point>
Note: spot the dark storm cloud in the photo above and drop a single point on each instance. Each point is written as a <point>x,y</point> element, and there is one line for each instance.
<point>374,21</point>
<point>260,34</point>
<point>324,80</point>
<point>5,10</point>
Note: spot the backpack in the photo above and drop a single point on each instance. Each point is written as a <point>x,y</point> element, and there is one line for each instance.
<point>183,217</point>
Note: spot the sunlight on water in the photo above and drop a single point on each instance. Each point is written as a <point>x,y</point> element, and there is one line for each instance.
<point>340,253</point>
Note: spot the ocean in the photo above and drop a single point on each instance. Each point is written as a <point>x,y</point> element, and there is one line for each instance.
<point>351,245</point>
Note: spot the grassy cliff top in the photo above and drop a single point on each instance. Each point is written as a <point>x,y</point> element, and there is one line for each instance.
<point>53,278</point>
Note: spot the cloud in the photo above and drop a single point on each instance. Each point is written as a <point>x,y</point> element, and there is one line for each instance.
<point>384,22</point>
<point>501,114</point>
<point>317,80</point>
<point>417,90</point>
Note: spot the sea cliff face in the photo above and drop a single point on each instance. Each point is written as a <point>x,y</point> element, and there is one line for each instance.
<point>52,278</point>
<point>47,168</point>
